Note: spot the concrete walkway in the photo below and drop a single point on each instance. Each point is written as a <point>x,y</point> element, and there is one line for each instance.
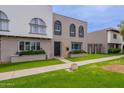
<point>63,59</point>
<point>26,72</point>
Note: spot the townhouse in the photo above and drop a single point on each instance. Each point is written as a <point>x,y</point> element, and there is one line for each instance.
<point>68,34</point>
<point>24,28</point>
<point>102,40</point>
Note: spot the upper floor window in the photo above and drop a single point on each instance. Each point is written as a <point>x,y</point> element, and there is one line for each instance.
<point>114,36</point>
<point>4,22</point>
<point>72,30</point>
<point>81,31</point>
<point>57,27</point>
<point>38,26</point>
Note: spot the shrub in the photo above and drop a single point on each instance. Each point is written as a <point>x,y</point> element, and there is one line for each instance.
<point>114,50</point>
<point>77,51</point>
<point>32,52</point>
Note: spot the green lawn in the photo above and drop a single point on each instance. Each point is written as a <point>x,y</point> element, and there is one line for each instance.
<point>90,56</point>
<point>25,65</point>
<point>88,76</point>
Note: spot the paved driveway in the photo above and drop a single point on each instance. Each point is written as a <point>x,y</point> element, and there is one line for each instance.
<point>26,72</point>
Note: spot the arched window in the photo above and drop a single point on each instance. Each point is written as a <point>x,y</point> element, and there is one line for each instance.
<point>72,30</point>
<point>57,28</point>
<point>81,31</point>
<point>38,26</point>
<point>4,22</point>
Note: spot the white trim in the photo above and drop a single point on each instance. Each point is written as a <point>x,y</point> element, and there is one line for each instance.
<point>30,45</point>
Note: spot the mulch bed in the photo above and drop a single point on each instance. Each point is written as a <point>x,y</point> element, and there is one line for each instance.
<point>115,68</point>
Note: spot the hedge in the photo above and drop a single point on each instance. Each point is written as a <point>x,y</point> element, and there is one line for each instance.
<point>77,51</point>
<point>32,52</point>
<point>114,50</point>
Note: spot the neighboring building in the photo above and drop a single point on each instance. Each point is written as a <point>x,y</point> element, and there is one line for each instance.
<point>68,34</point>
<point>100,41</point>
<point>25,27</point>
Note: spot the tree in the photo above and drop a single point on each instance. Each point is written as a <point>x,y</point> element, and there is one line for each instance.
<point>121,28</point>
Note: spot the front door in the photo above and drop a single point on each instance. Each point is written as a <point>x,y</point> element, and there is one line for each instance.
<point>57,49</point>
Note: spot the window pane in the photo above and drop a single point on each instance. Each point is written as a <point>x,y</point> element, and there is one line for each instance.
<point>21,46</point>
<point>72,30</point>
<point>38,45</point>
<point>4,25</point>
<point>33,46</point>
<point>114,36</point>
<point>76,46</point>
<point>27,45</point>
<point>3,21</point>
<point>81,31</point>
<point>58,28</point>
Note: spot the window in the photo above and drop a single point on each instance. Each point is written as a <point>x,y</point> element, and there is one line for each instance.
<point>33,44</point>
<point>81,31</point>
<point>114,36</point>
<point>57,28</point>
<point>3,21</point>
<point>72,30</point>
<point>21,46</point>
<point>76,46</point>
<point>25,46</point>
<point>38,26</point>
<point>38,46</point>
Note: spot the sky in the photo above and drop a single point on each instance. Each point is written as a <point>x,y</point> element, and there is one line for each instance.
<point>97,16</point>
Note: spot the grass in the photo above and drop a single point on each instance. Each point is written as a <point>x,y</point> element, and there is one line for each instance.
<point>25,65</point>
<point>90,56</point>
<point>88,76</point>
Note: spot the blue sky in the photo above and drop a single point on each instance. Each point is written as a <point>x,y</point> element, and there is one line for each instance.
<point>97,16</point>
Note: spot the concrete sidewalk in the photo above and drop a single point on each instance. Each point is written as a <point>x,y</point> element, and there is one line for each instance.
<point>26,72</point>
<point>63,59</point>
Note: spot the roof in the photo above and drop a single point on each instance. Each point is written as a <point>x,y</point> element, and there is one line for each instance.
<point>113,29</point>
<point>107,29</point>
<point>70,17</point>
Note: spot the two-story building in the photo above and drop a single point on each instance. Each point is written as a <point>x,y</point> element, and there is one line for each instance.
<point>25,28</point>
<point>100,41</point>
<point>68,34</point>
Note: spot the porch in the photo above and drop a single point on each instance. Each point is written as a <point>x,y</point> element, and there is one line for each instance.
<point>114,45</point>
<point>95,48</point>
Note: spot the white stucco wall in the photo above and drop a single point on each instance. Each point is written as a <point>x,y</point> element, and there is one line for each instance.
<point>21,15</point>
<point>112,40</point>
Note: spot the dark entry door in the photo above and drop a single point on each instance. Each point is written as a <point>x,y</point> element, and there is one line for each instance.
<point>57,49</point>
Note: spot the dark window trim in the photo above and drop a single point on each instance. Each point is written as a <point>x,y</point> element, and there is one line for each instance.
<point>82,32</point>
<point>72,30</point>
<point>58,32</point>
<point>76,43</point>
<point>114,36</point>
